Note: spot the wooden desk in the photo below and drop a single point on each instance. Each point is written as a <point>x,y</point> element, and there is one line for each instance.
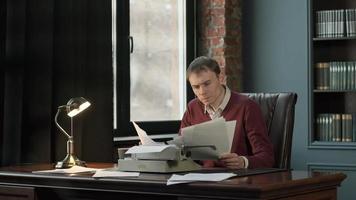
<point>19,183</point>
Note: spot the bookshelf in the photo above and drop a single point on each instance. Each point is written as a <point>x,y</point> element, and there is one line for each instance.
<point>333,74</point>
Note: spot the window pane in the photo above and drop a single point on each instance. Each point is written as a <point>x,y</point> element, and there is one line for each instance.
<point>157,70</point>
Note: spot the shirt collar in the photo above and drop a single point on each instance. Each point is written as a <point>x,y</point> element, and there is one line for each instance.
<point>223,103</point>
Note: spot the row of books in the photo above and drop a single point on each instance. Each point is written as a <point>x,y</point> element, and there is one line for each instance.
<point>338,75</point>
<point>336,127</point>
<point>336,23</point>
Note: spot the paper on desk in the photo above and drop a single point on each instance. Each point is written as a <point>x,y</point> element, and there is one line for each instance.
<point>107,173</point>
<point>192,177</point>
<point>145,140</point>
<point>72,170</point>
<point>147,149</point>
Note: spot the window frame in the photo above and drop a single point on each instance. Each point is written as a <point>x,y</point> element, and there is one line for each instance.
<point>160,129</point>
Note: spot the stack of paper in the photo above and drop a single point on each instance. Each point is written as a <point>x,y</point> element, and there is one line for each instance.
<point>99,173</point>
<point>72,170</point>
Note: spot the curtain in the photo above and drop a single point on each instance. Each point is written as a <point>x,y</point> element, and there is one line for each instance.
<point>52,51</point>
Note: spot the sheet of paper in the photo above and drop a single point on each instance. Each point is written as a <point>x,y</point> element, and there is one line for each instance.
<point>145,140</point>
<point>178,141</point>
<point>216,132</point>
<point>147,149</point>
<point>107,173</point>
<point>172,180</point>
<point>192,177</point>
<point>72,170</point>
<point>187,134</point>
<point>230,128</point>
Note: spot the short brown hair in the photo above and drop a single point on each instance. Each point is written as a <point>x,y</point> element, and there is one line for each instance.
<point>203,63</point>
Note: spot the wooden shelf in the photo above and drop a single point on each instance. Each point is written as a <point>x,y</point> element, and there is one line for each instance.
<point>317,39</point>
<point>332,145</point>
<point>327,104</point>
<point>333,91</point>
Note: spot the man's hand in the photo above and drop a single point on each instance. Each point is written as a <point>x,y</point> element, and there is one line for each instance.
<point>232,160</point>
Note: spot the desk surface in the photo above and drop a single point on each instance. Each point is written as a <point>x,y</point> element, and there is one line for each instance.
<point>282,184</point>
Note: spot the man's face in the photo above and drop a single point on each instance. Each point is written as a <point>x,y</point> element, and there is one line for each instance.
<point>206,86</point>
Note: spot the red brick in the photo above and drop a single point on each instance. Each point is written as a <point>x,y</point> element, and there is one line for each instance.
<point>220,36</point>
<point>231,51</point>
<point>234,33</point>
<point>221,31</point>
<point>218,3</point>
<point>231,41</point>
<point>218,21</point>
<point>220,60</point>
<point>217,12</point>
<point>218,51</point>
<point>213,32</point>
<point>217,41</point>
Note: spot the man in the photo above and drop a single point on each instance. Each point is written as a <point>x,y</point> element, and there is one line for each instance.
<point>251,146</point>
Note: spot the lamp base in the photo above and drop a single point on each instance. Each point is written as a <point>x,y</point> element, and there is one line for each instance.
<point>69,161</point>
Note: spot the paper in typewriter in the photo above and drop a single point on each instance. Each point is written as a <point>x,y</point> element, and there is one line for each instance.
<point>144,139</point>
<point>217,132</point>
<point>147,144</point>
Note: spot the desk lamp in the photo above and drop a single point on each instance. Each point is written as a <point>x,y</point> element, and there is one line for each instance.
<point>73,107</point>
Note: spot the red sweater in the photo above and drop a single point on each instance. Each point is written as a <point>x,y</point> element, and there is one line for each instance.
<point>250,139</point>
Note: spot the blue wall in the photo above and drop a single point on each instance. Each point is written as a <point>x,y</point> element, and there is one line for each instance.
<point>275,57</point>
<point>275,37</point>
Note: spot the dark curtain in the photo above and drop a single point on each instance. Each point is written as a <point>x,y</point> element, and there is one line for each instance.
<point>2,64</point>
<point>51,51</point>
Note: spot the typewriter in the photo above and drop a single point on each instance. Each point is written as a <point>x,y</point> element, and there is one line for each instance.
<point>166,158</point>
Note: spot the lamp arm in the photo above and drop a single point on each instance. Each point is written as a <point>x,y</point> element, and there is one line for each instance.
<point>60,128</point>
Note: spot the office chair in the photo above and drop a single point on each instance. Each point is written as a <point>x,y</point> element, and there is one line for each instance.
<point>278,111</point>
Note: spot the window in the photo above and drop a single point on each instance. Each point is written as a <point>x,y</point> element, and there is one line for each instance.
<point>152,43</point>
<point>157,62</point>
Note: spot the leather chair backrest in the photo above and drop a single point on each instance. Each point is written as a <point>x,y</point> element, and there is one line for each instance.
<point>278,111</point>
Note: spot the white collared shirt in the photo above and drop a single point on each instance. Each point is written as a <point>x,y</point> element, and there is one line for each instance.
<point>216,113</point>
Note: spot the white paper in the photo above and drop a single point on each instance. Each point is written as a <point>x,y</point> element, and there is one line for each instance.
<point>178,141</point>
<point>147,149</point>
<point>72,170</point>
<point>145,140</point>
<point>192,177</point>
<point>106,173</point>
<point>213,132</point>
<point>217,132</point>
<point>230,127</point>
<point>173,181</point>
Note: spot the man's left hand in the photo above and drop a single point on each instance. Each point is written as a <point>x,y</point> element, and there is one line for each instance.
<point>232,160</point>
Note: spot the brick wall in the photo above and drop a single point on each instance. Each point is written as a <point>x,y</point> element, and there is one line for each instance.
<point>219,36</point>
